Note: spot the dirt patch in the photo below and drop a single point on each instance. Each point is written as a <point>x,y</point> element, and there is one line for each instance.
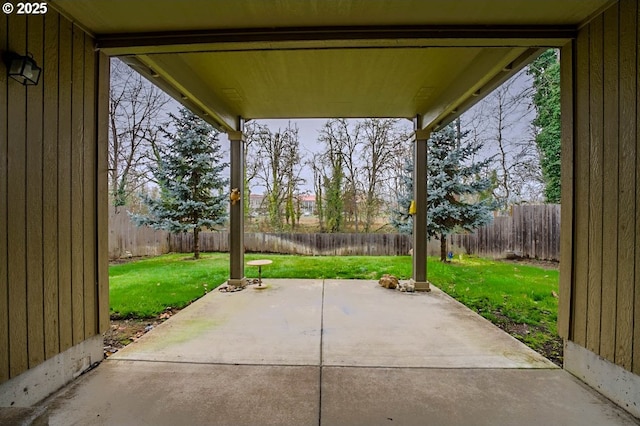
<point>125,331</point>
<point>545,264</point>
<point>551,349</point>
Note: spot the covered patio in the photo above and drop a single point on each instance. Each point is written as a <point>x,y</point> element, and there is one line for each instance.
<point>231,61</point>
<point>327,352</point>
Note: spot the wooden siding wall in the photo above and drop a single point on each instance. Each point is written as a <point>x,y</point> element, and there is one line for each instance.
<point>49,298</point>
<point>601,169</point>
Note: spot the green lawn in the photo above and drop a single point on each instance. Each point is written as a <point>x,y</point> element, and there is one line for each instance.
<point>505,292</point>
<point>501,292</point>
<point>144,288</point>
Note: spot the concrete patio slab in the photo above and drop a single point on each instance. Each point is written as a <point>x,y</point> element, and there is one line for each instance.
<point>166,393</point>
<point>308,352</point>
<point>367,325</point>
<point>279,325</point>
<point>462,397</point>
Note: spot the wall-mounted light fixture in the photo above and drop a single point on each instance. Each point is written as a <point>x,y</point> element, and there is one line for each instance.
<point>23,68</point>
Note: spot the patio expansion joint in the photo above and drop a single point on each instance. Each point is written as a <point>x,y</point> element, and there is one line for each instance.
<point>321,366</point>
<point>232,364</point>
<point>409,367</point>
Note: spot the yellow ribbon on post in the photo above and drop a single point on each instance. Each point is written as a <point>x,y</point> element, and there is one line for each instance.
<point>412,208</point>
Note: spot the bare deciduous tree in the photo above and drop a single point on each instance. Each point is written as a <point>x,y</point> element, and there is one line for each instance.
<point>380,143</point>
<point>316,162</point>
<point>253,133</point>
<point>499,122</point>
<point>277,161</point>
<point>136,108</point>
<point>333,138</point>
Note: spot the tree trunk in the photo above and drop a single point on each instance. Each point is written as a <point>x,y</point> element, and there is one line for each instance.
<point>196,243</point>
<point>443,248</point>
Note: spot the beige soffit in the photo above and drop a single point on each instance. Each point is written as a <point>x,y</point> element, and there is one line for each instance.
<point>227,59</point>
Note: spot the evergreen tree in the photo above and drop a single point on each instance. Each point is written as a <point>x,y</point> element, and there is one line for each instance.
<point>453,189</point>
<point>546,83</point>
<point>188,173</point>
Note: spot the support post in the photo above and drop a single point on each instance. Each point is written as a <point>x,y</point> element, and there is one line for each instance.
<point>419,275</point>
<point>236,211</point>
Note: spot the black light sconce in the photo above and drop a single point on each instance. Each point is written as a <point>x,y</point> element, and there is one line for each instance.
<point>23,68</point>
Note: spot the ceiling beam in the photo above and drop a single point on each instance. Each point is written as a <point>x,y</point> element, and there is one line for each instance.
<point>456,100</point>
<point>178,81</point>
<point>335,37</point>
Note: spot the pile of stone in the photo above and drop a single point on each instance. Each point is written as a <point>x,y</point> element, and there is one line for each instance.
<point>391,282</point>
<point>229,288</point>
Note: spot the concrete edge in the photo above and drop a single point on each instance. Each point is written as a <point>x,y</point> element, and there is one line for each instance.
<point>41,381</point>
<point>614,382</point>
<point>441,293</point>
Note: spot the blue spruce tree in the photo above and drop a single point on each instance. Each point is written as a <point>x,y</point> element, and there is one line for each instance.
<point>189,174</point>
<point>454,189</point>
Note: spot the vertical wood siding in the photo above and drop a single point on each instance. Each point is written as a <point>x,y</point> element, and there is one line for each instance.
<point>16,205</point>
<point>610,188</point>
<point>48,194</point>
<point>627,146</point>
<point>102,197</point>
<point>594,284</point>
<point>35,287</point>
<point>4,288</point>
<point>50,187</point>
<point>605,181</point>
<point>565,307</point>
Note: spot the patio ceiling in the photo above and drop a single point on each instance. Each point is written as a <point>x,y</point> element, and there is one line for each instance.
<point>227,59</point>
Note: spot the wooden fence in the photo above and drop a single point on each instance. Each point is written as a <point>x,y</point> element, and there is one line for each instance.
<point>126,239</point>
<point>530,231</point>
<point>307,244</point>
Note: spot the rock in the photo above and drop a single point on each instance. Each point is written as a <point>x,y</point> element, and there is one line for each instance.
<point>228,288</point>
<point>388,281</point>
<point>406,287</point>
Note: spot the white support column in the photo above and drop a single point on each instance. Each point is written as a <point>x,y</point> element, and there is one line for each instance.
<point>419,275</point>
<point>236,211</point>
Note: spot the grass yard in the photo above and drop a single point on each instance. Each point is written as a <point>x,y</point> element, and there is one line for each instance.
<point>144,288</point>
<point>519,298</point>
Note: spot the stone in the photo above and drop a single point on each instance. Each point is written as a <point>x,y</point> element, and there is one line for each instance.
<point>406,287</point>
<point>388,281</point>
